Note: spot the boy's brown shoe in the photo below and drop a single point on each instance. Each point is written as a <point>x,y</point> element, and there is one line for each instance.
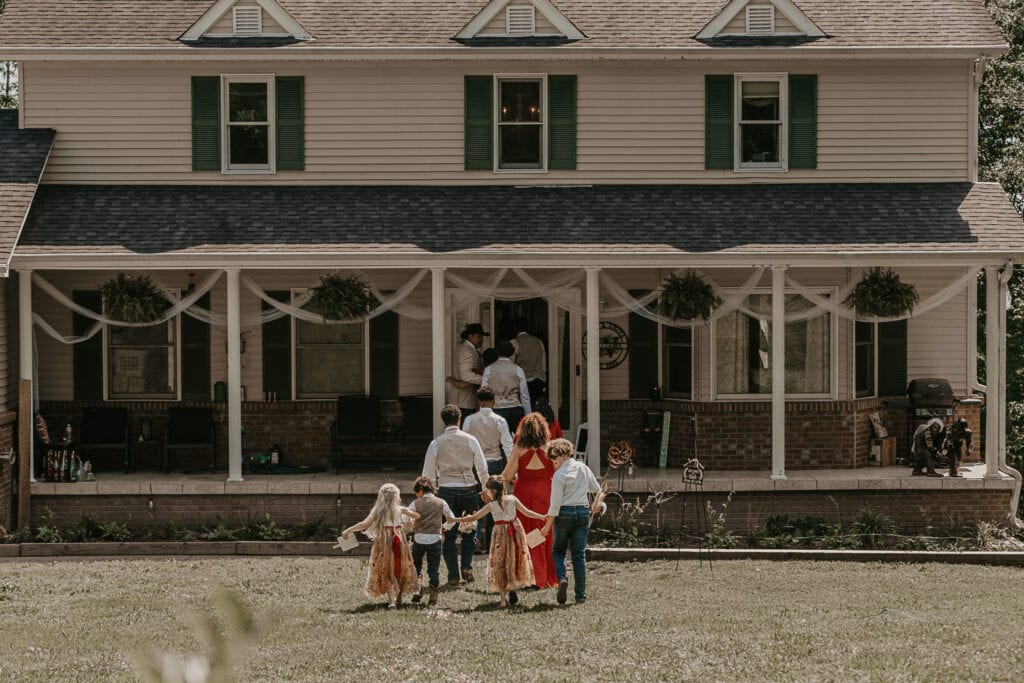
<point>467,576</point>
<point>434,590</point>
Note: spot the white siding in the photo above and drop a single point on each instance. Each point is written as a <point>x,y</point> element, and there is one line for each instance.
<point>402,123</point>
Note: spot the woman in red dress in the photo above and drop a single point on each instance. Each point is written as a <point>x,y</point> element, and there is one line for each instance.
<point>531,469</point>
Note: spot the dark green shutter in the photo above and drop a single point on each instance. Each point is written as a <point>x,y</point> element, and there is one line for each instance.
<point>384,356</point>
<point>643,354</point>
<point>291,126</point>
<point>892,358</point>
<point>195,356</point>
<point>277,353</point>
<point>87,356</point>
<point>206,123</point>
<point>562,122</point>
<point>803,121</point>
<point>718,133</point>
<point>479,143</point>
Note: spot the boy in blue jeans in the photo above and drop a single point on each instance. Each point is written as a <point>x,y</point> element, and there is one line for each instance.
<point>570,514</point>
<point>426,538</point>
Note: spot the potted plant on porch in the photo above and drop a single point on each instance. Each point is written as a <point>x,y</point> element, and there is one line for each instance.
<point>687,298</point>
<point>881,293</point>
<point>341,297</point>
<point>133,298</point>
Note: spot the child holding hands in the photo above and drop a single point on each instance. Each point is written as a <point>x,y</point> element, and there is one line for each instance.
<point>508,566</point>
<point>391,568</point>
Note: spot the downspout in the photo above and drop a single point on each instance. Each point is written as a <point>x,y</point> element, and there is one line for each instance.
<point>1004,279</point>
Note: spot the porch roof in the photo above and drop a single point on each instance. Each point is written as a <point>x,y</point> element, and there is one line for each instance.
<point>433,224</point>
<point>23,155</point>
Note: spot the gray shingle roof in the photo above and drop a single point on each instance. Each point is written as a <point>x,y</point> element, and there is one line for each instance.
<point>23,155</point>
<point>520,221</point>
<point>433,23</point>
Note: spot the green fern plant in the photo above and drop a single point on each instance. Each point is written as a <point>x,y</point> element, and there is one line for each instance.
<point>341,297</point>
<point>133,298</point>
<point>881,293</point>
<point>687,298</point>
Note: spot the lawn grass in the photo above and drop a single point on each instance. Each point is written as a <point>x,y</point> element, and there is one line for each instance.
<point>746,620</point>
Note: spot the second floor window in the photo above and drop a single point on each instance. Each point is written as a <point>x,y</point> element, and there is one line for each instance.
<point>520,123</point>
<point>760,128</point>
<point>248,121</point>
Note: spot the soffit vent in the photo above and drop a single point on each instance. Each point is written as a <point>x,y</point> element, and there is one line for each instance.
<point>248,21</point>
<point>760,19</point>
<point>520,20</point>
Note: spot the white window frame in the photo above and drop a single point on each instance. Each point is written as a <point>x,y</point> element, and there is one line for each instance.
<point>496,138</point>
<point>297,292</point>
<point>242,169</point>
<point>874,356</point>
<point>177,362</point>
<point>783,80</point>
<point>833,374</point>
<point>661,365</point>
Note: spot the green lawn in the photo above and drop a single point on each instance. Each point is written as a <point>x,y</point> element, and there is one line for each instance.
<point>745,621</point>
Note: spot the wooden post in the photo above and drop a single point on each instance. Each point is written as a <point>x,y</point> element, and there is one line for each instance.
<point>993,396</point>
<point>24,453</point>
<point>593,369</point>
<point>437,348</point>
<point>234,377</point>
<point>778,372</point>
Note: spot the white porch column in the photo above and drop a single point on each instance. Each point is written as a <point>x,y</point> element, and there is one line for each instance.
<point>437,349</point>
<point>1004,281</point>
<point>778,372</point>
<point>25,357</point>
<point>234,377</point>
<point>993,383</point>
<point>593,351</point>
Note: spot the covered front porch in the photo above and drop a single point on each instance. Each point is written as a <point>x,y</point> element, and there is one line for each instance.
<point>780,382</point>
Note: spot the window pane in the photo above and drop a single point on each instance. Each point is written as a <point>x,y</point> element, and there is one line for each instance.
<point>865,332</point>
<point>760,101</point>
<point>247,102</point>
<point>249,144</point>
<point>864,358</point>
<point>161,334</point>
<point>330,371</point>
<point>142,372</point>
<point>759,143</point>
<point>520,101</point>
<point>313,333</point>
<point>678,335</point>
<point>678,371</point>
<point>520,146</point>
<point>743,351</point>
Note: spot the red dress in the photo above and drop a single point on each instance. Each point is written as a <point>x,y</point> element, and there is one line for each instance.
<point>533,489</point>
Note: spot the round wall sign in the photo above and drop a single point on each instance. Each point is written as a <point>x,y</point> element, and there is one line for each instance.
<point>613,345</point>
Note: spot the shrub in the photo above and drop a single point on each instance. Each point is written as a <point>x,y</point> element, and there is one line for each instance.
<point>115,531</point>
<point>221,532</point>
<point>873,529</point>
<point>47,534</point>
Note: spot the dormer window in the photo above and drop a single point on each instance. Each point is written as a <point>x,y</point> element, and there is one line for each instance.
<point>520,20</point>
<point>760,19</point>
<point>247,21</point>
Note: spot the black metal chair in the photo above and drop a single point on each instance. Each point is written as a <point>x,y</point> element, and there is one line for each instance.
<point>104,429</point>
<point>417,418</point>
<point>357,422</point>
<point>190,429</point>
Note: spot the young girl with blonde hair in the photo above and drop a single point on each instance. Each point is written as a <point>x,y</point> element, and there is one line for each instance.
<point>391,568</point>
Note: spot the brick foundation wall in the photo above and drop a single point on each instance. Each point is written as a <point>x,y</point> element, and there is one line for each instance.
<point>912,511</point>
<point>8,425</point>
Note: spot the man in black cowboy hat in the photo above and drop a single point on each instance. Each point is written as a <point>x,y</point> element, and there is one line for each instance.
<point>467,370</point>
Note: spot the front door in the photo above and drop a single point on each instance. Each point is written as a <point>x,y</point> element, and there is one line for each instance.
<point>557,328</point>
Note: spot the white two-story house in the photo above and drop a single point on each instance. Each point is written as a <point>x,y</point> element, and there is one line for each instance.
<point>485,161</point>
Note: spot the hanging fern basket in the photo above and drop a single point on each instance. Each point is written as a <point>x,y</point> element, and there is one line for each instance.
<point>687,298</point>
<point>341,297</point>
<point>880,293</point>
<point>133,298</point>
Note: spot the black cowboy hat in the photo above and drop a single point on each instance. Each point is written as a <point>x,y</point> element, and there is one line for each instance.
<point>474,328</point>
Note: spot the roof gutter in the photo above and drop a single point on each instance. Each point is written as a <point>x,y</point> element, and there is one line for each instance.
<point>319,260</point>
<point>312,52</point>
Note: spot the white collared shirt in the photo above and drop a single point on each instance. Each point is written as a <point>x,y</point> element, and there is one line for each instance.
<point>572,482</point>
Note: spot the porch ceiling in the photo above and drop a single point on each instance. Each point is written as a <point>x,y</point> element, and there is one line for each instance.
<point>23,155</point>
<point>436,224</point>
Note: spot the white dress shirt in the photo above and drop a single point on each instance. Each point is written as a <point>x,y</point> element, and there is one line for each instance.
<point>509,384</point>
<point>452,457</point>
<point>570,486</point>
<point>491,430</point>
